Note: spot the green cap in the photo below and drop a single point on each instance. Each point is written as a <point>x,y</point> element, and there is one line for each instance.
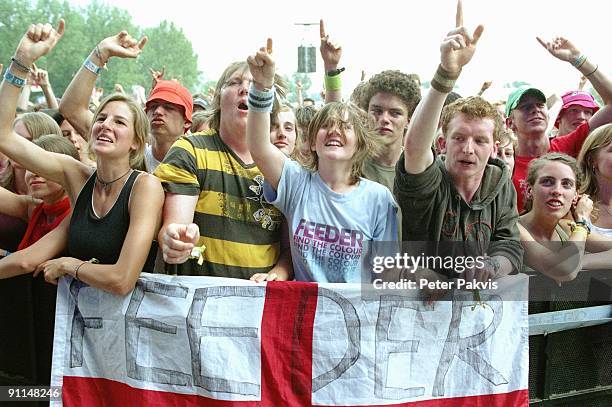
<point>515,97</point>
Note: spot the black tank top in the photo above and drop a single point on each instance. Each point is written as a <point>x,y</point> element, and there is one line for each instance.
<point>102,238</point>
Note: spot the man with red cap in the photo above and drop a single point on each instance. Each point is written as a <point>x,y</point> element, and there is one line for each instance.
<point>169,109</point>
<point>528,116</point>
<point>578,107</point>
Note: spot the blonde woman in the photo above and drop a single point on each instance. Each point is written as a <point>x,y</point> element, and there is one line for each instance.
<point>117,209</point>
<point>595,160</point>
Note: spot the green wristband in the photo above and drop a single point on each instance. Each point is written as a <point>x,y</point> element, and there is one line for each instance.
<point>333,83</point>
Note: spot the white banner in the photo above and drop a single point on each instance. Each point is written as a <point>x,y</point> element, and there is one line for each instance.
<point>227,342</point>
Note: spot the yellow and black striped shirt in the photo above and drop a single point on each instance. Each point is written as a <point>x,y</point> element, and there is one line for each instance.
<point>240,229</point>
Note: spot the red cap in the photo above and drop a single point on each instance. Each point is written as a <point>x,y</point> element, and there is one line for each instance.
<point>173,92</point>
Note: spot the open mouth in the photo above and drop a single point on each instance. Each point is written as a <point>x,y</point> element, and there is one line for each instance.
<point>554,203</point>
<point>333,143</point>
<point>243,106</point>
<point>104,139</point>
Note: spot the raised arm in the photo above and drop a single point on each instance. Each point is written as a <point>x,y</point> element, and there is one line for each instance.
<point>24,95</point>
<point>331,54</point>
<point>456,51</point>
<point>120,278</point>
<point>268,158</point>
<point>74,105</point>
<point>36,42</point>
<point>42,79</point>
<point>563,49</point>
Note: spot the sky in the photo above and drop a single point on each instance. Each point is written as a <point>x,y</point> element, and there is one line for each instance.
<point>386,34</point>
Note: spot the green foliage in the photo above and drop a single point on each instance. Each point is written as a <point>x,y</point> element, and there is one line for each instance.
<point>169,47</point>
<point>306,84</point>
<point>85,27</point>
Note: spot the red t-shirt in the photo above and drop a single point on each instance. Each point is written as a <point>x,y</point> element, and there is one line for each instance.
<point>569,144</point>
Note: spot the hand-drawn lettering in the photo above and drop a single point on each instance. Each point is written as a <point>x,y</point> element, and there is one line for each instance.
<point>133,324</point>
<point>196,331</point>
<point>462,347</point>
<point>385,347</point>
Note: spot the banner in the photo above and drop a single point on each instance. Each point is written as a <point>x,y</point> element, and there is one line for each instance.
<point>189,341</point>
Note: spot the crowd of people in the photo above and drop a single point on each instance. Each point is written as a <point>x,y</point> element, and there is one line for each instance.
<point>245,184</point>
<point>238,205</point>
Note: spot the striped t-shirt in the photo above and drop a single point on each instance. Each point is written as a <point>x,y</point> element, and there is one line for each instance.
<point>240,229</point>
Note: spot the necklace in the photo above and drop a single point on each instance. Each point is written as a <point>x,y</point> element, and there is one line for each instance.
<point>105,185</point>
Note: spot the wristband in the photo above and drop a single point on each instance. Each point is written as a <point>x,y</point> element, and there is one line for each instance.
<point>333,83</point>
<point>579,228</point>
<point>584,224</point>
<point>260,101</point>
<point>91,67</point>
<point>14,80</point>
<point>443,80</point>
<point>579,61</point>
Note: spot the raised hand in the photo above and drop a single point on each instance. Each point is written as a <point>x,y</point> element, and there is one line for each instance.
<point>157,76</point>
<point>330,52</point>
<point>583,207</point>
<point>458,48</point>
<point>38,41</point>
<point>41,77</point>
<point>261,66</point>
<point>561,48</point>
<point>121,45</point>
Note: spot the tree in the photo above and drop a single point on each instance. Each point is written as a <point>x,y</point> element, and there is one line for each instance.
<point>85,27</point>
<point>168,46</point>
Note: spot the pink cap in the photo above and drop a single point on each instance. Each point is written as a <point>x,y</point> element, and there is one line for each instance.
<point>577,97</point>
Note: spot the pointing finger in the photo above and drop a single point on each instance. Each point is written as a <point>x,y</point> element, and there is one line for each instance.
<point>477,33</point>
<point>61,27</point>
<point>542,42</point>
<point>142,42</point>
<point>269,45</point>
<point>459,14</point>
<point>321,29</point>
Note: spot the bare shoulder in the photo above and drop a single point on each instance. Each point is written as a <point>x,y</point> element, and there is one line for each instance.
<point>148,184</point>
<point>524,232</point>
